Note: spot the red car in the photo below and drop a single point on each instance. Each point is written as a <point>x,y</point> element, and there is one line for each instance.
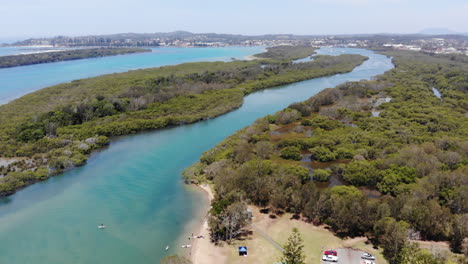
<point>330,252</point>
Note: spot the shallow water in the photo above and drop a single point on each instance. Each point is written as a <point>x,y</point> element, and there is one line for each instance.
<point>436,93</point>
<point>18,81</point>
<point>134,187</point>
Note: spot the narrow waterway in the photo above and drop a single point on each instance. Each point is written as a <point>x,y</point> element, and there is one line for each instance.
<point>135,188</point>
<point>436,93</point>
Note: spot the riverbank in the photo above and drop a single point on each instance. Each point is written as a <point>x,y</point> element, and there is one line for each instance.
<point>251,57</point>
<point>141,197</point>
<point>274,162</point>
<point>63,55</point>
<point>265,231</point>
<point>159,97</point>
<point>203,251</point>
<point>14,85</point>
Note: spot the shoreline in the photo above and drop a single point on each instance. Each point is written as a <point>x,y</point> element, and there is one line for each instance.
<point>250,58</point>
<point>213,115</point>
<point>203,251</point>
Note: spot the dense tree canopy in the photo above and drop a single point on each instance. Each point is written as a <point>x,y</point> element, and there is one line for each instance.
<point>55,129</point>
<point>393,156</point>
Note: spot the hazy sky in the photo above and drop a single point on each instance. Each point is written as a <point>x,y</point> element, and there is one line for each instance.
<point>35,18</point>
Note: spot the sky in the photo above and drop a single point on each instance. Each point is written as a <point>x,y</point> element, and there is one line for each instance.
<point>22,19</point>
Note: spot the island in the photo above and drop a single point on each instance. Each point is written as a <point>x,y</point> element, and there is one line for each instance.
<point>55,129</point>
<point>65,55</point>
<point>381,162</point>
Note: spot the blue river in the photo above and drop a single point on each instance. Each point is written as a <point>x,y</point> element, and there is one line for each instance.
<point>135,188</point>
<point>18,81</point>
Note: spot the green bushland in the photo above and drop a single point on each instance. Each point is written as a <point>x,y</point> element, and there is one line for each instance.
<point>56,56</point>
<point>415,153</point>
<point>287,52</point>
<point>321,175</point>
<point>56,128</point>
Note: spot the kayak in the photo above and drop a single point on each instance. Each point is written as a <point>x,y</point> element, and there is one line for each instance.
<point>102,226</point>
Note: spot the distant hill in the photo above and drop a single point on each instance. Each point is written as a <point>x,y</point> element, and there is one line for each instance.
<point>440,31</point>
<point>185,38</point>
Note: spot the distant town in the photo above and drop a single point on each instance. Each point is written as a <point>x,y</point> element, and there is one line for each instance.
<point>439,44</point>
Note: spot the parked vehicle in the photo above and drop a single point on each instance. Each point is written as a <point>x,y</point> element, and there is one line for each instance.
<point>368,256</point>
<point>330,252</point>
<point>330,258</point>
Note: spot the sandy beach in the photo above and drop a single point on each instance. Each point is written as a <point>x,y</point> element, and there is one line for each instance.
<point>262,250</point>
<point>39,51</point>
<point>251,57</point>
<point>7,161</point>
<point>203,251</point>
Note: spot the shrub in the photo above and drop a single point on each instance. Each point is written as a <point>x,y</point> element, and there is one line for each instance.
<point>322,175</point>
<point>292,153</point>
<point>395,176</point>
<point>323,154</point>
<point>361,173</point>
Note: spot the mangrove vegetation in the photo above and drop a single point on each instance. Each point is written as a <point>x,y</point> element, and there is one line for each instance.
<point>383,158</point>
<point>65,55</point>
<point>56,128</point>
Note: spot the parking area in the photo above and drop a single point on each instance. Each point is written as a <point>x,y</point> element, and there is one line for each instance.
<point>348,256</point>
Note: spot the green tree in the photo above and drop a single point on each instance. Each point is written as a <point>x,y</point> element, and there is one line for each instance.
<point>361,173</point>
<point>230,221</point>
<point>347,210</point>
<point>292,153</point>
<point>321,175</point>
<point>293,249</point>
<point>460,232</point>
<point>395,176</point>
<point>392,236</point>
<point>323,154</point>
<point>413,254</point>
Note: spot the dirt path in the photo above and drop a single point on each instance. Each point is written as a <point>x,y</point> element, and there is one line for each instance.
<point>268,238</point>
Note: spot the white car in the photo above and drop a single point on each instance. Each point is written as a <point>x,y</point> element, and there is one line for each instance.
<point>330,258</point>
<point>367,256</point>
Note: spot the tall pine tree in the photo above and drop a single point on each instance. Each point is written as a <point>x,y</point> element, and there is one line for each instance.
<point>293,249</point>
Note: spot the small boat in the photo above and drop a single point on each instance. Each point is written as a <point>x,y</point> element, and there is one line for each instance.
<point>186,246</point>
<point>167,247</point>
<point>101,226</point>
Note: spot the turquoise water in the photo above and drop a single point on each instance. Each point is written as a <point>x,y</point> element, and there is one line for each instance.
<point>135,188</point>
<point>18,81</point>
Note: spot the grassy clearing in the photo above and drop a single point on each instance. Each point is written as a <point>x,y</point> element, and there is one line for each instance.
<point>316,240</point>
